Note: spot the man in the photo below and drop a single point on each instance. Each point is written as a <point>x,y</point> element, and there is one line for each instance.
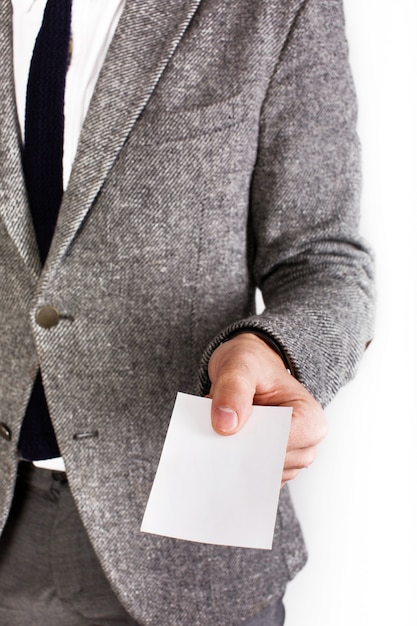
<point>217,154</point>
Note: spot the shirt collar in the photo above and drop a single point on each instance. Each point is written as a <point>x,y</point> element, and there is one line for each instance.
<point>24,5</point>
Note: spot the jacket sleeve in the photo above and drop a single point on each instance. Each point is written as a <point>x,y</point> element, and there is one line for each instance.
<point>313,269</point>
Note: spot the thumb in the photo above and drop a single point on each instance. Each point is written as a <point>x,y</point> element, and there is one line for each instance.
<point>232,391</point>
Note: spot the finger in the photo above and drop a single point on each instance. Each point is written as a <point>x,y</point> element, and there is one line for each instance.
<point>232,394</point>
<point>300,459</point>
<point>289,475</point>
<point>236,369</point>
<point>291,472</point>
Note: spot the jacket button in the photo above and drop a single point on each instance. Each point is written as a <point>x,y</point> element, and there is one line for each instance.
<point>47,316</point>
<point>5,432</point>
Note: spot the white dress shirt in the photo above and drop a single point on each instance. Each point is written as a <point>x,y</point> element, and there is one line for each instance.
<point>93,23</point>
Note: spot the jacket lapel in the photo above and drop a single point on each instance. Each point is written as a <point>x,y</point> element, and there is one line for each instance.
<point>146,37</point>
<point>14,207</point>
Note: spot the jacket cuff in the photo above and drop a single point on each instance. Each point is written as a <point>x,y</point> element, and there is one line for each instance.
<point>230,333</point>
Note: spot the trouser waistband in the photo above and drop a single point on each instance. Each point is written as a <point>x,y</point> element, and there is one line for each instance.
<point>38,477</point>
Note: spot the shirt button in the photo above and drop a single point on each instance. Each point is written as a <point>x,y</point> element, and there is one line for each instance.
<point>5,432</point>
<point>47,316</point>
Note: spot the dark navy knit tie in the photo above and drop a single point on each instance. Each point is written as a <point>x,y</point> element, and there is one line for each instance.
<point>42,165</point>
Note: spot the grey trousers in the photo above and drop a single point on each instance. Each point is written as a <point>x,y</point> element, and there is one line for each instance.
<point>49,574</point>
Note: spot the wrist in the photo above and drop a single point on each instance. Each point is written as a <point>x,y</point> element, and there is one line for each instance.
<point>270,342</point>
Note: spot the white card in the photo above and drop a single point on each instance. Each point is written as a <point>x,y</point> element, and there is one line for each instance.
<point>219,489</point>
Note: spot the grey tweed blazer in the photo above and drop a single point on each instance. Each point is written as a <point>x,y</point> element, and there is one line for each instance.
<point>218,155</point>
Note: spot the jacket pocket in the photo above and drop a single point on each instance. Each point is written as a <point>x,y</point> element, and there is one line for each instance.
<point>162,126</point>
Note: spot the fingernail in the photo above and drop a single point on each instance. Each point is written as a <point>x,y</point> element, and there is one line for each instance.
<point>225,420</point>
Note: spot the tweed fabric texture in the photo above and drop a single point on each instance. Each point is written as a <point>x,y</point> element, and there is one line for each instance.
<point>219,154</point>
<point>49,574</point>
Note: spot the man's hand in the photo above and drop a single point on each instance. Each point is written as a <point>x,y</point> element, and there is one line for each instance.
<point>246,371</point>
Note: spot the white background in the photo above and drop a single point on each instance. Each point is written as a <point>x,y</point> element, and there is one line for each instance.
<point>356,503</point>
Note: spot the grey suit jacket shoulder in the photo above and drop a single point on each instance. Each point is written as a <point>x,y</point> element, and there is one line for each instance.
<point>219,155</point>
